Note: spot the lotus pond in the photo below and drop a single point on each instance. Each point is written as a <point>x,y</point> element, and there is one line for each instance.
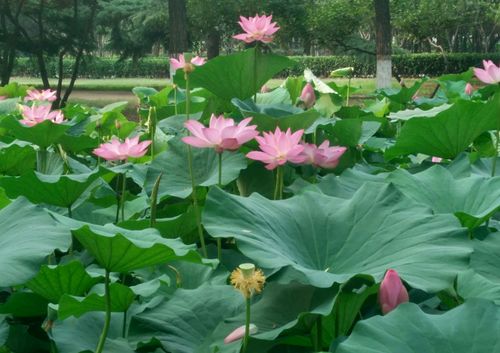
<point>234,218</point>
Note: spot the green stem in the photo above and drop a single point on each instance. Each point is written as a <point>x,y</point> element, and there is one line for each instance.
<point>247,326</point>
<point>319,333</point>
<point>175,101</point>
<point>193,183</point>
<point>107,317</point>
<point>122,196</point>
<point>154,201</point>
<point>70,213</point>
<point>152,130</point>
<point>255,73</point>
<point>495,157</point>
<point>124,326</point>
<point>41,160</point>
<point>278,192</point>
<point>118,198</point>
<point>219,240</point>
<point>348,91</point>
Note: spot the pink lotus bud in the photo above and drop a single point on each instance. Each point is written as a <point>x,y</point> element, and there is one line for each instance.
<point>392,292</point>
<point>239,333</point>
<point>436,159</point>
<point>307,96</point>
<point>490,74</point>
<point>468,89</point>
<point>264,89</point>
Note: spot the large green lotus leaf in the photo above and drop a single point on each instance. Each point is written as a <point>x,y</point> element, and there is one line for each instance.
<point>417,113</point>
<point>280,308</point>
<point>54,281</point>
<point>16,158</point>
<point>469,328</point>
<point>121,299</point>
<point>326,239</point>
<point>77,335</point>
<point>24,304</point>
<point>120,250</point>
<point>239,75</point>
<point>471,284</point>
<point>183,323</point>
<point>473,199</point>
<point>485,259</point>
<point>4,330</point>
<point>352,132</point>
<point>449,132</point>
<point>346,184</point>
<point>269,116</point>
<point>57,190</point>
<point>8,106</point>
<point>176,179</point>
<point>43,134</point>
<point>29,234</point>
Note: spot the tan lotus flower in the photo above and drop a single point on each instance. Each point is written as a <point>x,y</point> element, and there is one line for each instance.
<point>248,280</point>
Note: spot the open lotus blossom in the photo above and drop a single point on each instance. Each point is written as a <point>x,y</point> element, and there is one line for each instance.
<point>238,333</point>
<point>307,96</point>
<point>258,28</point>
<point>490,73</point>
<point>114,150</point>
<point>392,292</point>
<point>323,156</point>
<point>436,159</point>
<point>37,114</point>
<point>221,134</point>
<point>468,89</point>
<point>279,147</point>
<point>46,95</point>
<point>182,64</point>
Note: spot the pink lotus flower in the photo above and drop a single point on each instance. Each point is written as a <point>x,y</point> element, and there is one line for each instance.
<point>468,89</point>
<point>117,151</point>
<point>323,156</point>
<point>307,96</point>
<point>258,28</point>
<point>278,148</point>
<point>436,159</point>
<point>182,64</point>
<point>222,134</point>
<point>238,333</point>
<point>37,114</point>
<point>490,74</point>
<point>392,292</point>
<point>42,96</point>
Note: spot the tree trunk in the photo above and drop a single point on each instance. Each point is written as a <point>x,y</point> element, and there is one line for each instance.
<point>43,68</point>
<point>7,66</point>
<point>74,75</point>
<point>213,43</point>
<point>177,12</point>
<point>383,38</point>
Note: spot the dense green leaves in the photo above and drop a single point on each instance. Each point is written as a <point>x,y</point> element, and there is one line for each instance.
<point>29,234</point>
<point>470,328</point>
<point>323,239</point>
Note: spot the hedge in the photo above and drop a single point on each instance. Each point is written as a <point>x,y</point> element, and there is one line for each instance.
<point>411,65</point>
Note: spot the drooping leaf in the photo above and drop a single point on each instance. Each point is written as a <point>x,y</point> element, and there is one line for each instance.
<point>448,133</point>
<point>43,134</point>
<point>16,158</point>
<point>120,250</point>
<point>239,75</point>
<point>268,117</point>
<point>470,328</point>
<point>323,239</point>
<point>176,179</point>
<point>29,234</point>
<point>54,281</point>
<point>121,299</point>
<point>473,199</point>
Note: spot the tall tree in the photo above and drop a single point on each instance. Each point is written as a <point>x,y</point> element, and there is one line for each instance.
<point>383,37</point>
<point>178,30</point>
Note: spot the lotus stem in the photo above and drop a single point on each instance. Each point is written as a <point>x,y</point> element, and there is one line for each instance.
<point>70,213</point>
<point>122,196</point>
<point>278,188</point>
<point>255,72</point>
<point>495,157</point>
<point>154,201</point>
<point>152,129</point>
<point>193,182</point>
<point>348,91</point>
<point>41,160</point>
<point>107,317</point>
<point>247,325</point>
<point>319,334</point>
<point>175,100</point>
<point>219,240</point>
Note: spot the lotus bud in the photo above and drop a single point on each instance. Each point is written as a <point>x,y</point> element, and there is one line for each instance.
<point>307,96</point>
<point>436,159</point>
<point>248,280</point>
<point>392,292</point>
<point>238,333</point>
<point>468,89</point>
